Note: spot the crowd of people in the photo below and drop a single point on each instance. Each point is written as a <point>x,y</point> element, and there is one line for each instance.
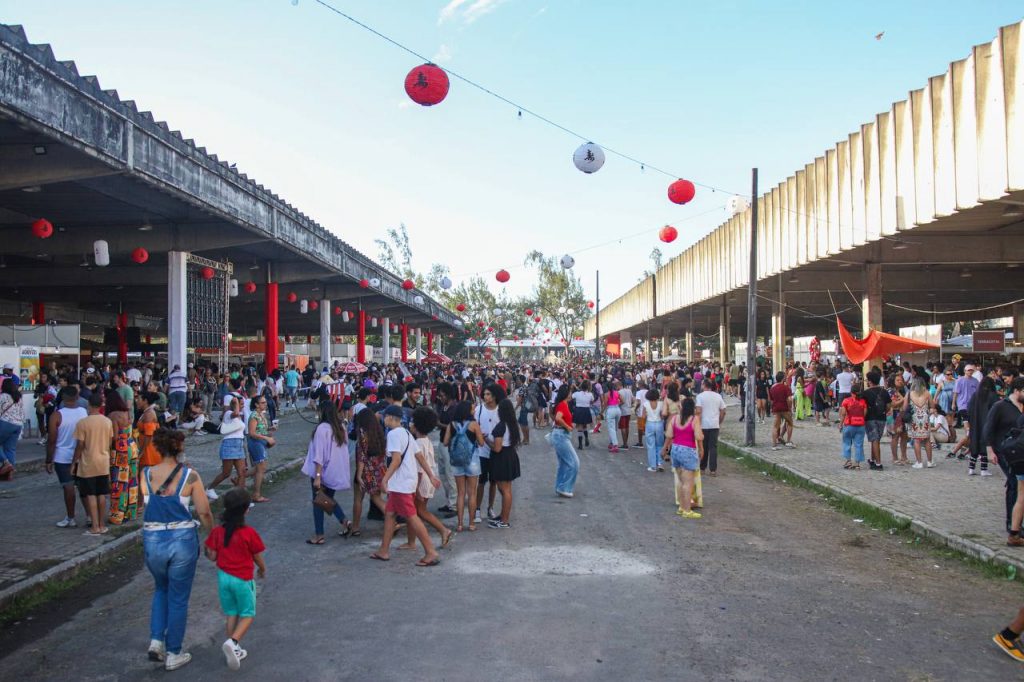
<point>403,434</point>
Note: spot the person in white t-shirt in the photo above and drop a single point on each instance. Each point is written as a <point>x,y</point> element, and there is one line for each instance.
<point>844,383</point>
<point>400,482</point>
<point>711,412</point>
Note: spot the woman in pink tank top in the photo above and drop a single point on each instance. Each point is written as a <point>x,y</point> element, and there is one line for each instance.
<point>683,439</point>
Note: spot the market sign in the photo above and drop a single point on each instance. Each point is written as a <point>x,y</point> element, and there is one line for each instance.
<point>989,341</point>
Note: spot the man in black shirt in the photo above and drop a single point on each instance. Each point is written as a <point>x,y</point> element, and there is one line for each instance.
<point>878,401</point>
<point>1005,415</point>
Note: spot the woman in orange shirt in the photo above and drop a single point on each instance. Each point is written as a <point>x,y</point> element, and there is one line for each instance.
<point>145,404</point>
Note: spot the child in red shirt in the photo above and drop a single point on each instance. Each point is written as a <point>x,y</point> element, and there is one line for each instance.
<point>236,547</point>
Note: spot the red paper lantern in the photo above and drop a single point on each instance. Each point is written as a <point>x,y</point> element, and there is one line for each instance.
<point>337,310</point>
<point>250,287</point>
<point>546,330</point>
<point>537,319</point>
<point>490,329</point>
<point>681,192</point>
<point>140,255</point>
<point>480,324</point>
<point>515,338</point>
<point>668,234</point>
<point>529,311</point>
<point>292,297</point>
<point>408,285</point>
<point>502,276</point>
<point>364,283</point>
<point>313,305</point>
<point>207,272</point>
<point>427,85</point>
<point>42,228</point>
<point>590,304</point>
<point>460,307</point>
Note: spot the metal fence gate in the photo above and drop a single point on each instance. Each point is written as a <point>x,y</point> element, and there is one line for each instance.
<point>208,305</point>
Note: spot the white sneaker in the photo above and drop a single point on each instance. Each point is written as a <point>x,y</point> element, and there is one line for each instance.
<point>67,522</point>
<point>651,469</point>
<point>986,472</point>
<point>476,517</point>
<point>972,472</point>
<point>242,653</point>
<point>230,650</point>
<point>789,444</point>
<point>42,441</point>
<point>930,465</point>
<point>212,494</point>
<point>157,650</point>
<point>175,661</point>
<point>917,465</point>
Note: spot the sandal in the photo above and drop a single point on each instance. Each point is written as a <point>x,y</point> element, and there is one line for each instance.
<point>458,528</point>
<point>317,541</point>
<point>346,529</point>
<point>260,499</point>
<point>447,538</point>
<point>472,527</point>
<point>355,533</point>
<point>848,465</point>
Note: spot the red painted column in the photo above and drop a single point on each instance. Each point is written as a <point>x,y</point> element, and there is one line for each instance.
<point>430,343</point>
<point>270,328</point>
<point>122,338</point>
<point>38,312</point>
<point>405,342</point>
<point>361,337</point>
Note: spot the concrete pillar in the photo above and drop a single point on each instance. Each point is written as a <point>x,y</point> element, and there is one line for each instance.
<point>360,337</point>
<point>270,327</point>
<point>177,309</point>
<point>1018,321</point>
<point>419,344</point>
<point>688,342</point>
<point>871,306</point>
<point>665,350</point>
<point>405,342</point>
<point>779,331</point>
<point>724,340</point>
<point>385,338</point>
<point>325,332</point>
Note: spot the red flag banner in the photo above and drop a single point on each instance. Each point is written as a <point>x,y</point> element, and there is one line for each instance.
<point>877,344</point>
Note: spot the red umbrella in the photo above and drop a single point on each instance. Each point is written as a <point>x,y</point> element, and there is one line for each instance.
<point>353,368</point>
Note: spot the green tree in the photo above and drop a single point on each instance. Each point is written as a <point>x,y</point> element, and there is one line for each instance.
<point>557,296</point>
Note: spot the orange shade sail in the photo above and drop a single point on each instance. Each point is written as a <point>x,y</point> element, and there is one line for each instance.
<point>877,344</point>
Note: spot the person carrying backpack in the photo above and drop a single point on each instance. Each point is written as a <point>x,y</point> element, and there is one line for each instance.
<point>462,437</point>
<point>852,418</point>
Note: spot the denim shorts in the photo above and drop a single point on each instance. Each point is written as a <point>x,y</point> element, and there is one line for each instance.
<point>471,469</point>
<point>684,457</point>
<point>257,450</point>
<point>874,428</point>
<point>237,596</point>
<point>231,448</point>
<point>63,472</point>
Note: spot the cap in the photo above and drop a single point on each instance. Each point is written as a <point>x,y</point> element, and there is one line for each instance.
<point>393,411</point>
<point>8,365</point>
<point>90,370</point>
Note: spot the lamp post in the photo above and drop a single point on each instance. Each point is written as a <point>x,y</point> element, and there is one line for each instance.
<point>752,316</point>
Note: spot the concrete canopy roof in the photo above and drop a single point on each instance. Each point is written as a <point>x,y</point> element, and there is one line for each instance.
<point>98,168</point>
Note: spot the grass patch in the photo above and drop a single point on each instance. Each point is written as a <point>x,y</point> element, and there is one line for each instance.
<point>870,515</point>
<point>23,605</point>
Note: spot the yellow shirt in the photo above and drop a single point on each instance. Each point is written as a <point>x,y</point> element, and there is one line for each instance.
<point>96,433</point>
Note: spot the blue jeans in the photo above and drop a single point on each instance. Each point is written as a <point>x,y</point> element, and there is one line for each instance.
<point>853,435</point>
<point>568,461</point>
<point>654,439</point>
<point>171,557</point>
<point>176,401</point>
<point>9,434</point>
<point>318,513</point>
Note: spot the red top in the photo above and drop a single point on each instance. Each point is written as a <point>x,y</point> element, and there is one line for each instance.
<point>236,558</point>
<point>856,410</point>
<point>779,394</point>
<point>503,384</point>
<point>562,408</point>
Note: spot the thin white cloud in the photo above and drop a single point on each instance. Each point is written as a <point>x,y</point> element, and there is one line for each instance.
<point>443,54</point>
<point>467,10</point>
<point>449,10</point>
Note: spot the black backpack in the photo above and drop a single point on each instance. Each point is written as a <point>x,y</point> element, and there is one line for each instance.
<point>1012,447</point>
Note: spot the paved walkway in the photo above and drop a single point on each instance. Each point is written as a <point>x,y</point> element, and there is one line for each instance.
<point>967,512</point>
<point>32,503</point>
<point>610,585</point>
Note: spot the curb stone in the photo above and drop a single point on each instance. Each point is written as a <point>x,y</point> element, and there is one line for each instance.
<point>75,565</point>
<point>943,537</point>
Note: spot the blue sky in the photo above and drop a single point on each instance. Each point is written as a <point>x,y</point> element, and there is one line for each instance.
<point>314,107</point>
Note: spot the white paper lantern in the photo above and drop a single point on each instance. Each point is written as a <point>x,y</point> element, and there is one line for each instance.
<point>373,323</point>
<point>345,317</point>
<point>101,253</point>
<point>568,261</point>
<point>588,157</point>
<point>561,310</point>
<point>233,287</point>
<point>446,283</point>
<point>375,283</point>
<point>497,312</point>
<point>737,204</point>
<point>303,306</point>
<point>458,322</point>
<point>570,312</point>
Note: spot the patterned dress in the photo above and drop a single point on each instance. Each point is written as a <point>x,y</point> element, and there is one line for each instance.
<point>374,469</point>
<point>919,427</point>
<point>124,478</point>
